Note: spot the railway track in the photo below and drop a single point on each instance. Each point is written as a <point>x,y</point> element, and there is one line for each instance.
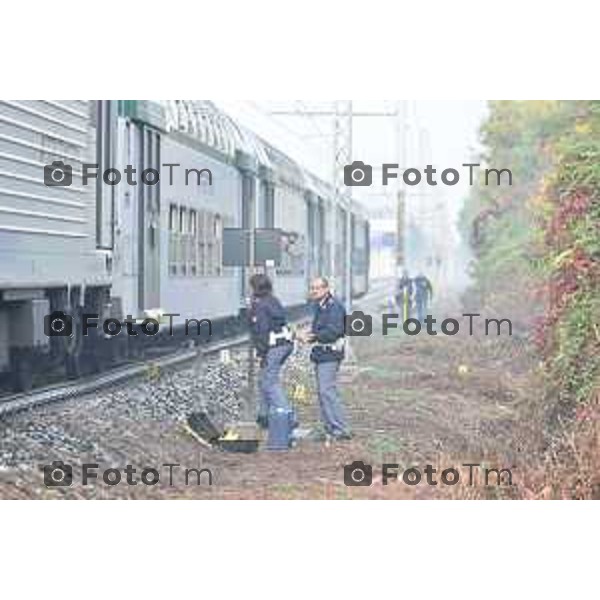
<point>64,391</point>
<point>57,392</point>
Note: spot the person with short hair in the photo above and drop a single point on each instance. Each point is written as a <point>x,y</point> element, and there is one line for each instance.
<point>423,292</point>
<point>327,336</point>
<point>272,339</point>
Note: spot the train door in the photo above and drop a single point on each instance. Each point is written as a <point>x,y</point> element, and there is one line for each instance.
<point>149,218</point>
<point>324,258</point>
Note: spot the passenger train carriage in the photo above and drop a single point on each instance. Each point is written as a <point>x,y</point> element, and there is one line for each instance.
<point>146,250</point>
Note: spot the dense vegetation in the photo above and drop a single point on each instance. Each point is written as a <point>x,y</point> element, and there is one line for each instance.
<point>537,248</point>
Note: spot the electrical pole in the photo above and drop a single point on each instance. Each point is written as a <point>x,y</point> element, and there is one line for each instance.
<point>343,116</point>
<point>402,137</point>
<point>342,156</point>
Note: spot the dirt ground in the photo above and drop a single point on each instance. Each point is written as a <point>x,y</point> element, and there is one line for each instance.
<point>441,400</point>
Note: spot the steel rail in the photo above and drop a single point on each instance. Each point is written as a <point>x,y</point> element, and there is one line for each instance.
<point>66,391</point>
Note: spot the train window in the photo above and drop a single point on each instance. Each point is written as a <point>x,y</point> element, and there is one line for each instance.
<point>191,242</point>
<point>209,229</point>
<point>217,227</point>
<point>182,240</point>
<point>193,223</point>
<point>172,217</point>
<point>173,238</point>
<point>195,242</point>
<point>201,242</point>
<point>182,219</point>
<point>199,223</point>
<point>205,230</point>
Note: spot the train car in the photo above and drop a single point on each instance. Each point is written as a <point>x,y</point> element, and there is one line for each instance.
<point>49,258</point>
<point>151,247</point>
<point>241,195</point>
<point>199,195</point>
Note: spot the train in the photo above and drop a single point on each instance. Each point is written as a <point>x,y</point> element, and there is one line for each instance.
<point>120,208</point>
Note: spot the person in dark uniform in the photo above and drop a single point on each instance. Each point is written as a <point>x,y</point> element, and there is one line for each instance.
<point>273,342</point>
<point>404,293</point>
<point>327,336</point>
<point>423,292</point>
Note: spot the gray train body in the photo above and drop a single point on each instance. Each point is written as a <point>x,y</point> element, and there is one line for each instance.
<point>148,250</point>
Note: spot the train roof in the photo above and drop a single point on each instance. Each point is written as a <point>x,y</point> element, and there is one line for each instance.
<point>214,128</point>
<point>203,120</point>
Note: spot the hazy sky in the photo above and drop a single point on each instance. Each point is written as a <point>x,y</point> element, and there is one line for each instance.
<point>441,133</point>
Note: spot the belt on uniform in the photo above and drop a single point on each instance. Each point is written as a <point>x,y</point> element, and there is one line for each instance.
<point>337,346</point>
<point>280,338</point>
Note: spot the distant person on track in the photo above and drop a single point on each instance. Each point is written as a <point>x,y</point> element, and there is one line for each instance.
<point>272,339</point>
<point>423,292</point>
<point>327,336</point>
<point>404,292</point>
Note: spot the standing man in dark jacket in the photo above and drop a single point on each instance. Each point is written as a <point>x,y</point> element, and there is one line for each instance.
<point>327,335</point>
<point>423,291</point>
<point>404,292</point>
<point>273,342</point>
